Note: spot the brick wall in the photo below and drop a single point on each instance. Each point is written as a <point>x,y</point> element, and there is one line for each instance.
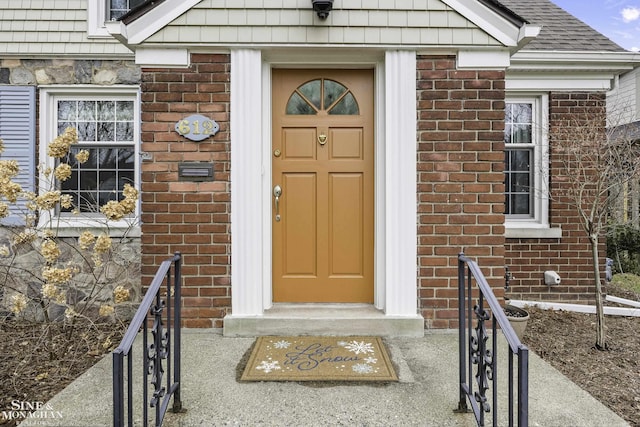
<point>189,217</point>
<point>460,190</point>
<point>460,181</point>
<point>569,256</point>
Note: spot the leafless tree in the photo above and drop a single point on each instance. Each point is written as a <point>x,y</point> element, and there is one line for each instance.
<point>591,165</point>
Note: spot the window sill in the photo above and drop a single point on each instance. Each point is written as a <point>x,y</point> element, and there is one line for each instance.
<point>67,228</point>
<point>526,231</point>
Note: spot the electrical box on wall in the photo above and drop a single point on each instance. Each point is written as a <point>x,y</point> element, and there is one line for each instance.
<point>197,171</point>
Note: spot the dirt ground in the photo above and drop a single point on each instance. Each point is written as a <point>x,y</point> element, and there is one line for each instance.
<point>30,375</point>
<point>565,340</point>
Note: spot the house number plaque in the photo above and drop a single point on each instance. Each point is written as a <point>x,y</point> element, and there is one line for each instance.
<point>197,127</point>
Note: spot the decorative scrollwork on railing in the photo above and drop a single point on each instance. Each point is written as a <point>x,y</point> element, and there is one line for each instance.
<point>156,352</point>
<point>165,344</point>
<point>482,357</point>
<point>477,306</point>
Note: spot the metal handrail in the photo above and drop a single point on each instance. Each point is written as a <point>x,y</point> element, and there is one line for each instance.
<point>479,355</point>
<point>152,308</point>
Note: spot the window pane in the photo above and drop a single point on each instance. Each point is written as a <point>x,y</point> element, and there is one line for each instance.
<point>107,182</point>
<point>520,160</point>
<point>126,158</point>
<point>106,131</point>
<point>102,177</point>
<point>520,204</point>
<point>67,110</point>
<point>323,95</point>
<point>521,134</point>
<point>86,131</point>
<point>106,110</point>
<point>521,183</point>
<point>518,123</point>
<point>63,125</point>
<point>297,105</point>
<point>332,91</point>
<point>124,131</point>
<point>518,113</point>
<point>518,184</point>
<point>87,110</point>
<point>124,110</point>
<point>346,106</point>
<point>88,179</point>
<point>311,91</point>
<point>118,8</point>
<point>107,158</point>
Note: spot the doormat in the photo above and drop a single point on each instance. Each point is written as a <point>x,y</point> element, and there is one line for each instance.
<point>319,359</point>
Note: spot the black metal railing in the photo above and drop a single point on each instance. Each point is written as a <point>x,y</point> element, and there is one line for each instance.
<point>156,308</point>
<point>484,356</point>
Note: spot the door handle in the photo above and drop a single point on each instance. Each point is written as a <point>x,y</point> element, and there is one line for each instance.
<point>277,192</point>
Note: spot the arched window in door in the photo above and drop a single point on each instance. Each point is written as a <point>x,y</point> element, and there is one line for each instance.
<point>322,95</point>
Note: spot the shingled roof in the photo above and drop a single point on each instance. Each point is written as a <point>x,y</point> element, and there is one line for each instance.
<point>561,31</point>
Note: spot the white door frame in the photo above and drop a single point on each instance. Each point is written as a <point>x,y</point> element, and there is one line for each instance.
<point>395,167</point>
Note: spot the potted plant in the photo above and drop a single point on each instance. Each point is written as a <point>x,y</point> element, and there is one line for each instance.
<point>518,318</point>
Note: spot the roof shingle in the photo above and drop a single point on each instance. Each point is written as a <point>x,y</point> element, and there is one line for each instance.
<point>560,30</point>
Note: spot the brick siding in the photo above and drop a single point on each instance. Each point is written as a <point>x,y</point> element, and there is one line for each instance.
<point>460,181</point>
<point>188,217</point>
<point>460,193</point>
<point>569,256</point>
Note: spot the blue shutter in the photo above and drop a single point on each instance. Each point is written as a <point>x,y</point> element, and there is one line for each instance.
<point>18,130</point>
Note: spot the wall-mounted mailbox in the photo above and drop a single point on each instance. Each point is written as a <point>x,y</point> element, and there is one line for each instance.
<point>195,171</point>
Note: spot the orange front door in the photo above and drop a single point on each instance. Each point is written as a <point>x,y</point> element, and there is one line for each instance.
<point>323,171</point>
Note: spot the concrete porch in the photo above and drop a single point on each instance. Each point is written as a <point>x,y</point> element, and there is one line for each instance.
<point>323,319</point>
<point>426,394</point>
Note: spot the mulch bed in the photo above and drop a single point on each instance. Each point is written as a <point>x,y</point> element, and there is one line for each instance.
<point>34,369</point>
<point>566,341</point>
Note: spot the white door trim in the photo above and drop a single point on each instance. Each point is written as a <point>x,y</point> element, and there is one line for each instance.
<point>396,183</point>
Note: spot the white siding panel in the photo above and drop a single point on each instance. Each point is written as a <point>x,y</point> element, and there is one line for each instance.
<point>358,18</point>
<point>391,35</point>
<point>378,18</point>
<point>622,101</point>
<point>410,36</point>
<point>372,36</point>
<point>398,18</point>
<point>256,17</point>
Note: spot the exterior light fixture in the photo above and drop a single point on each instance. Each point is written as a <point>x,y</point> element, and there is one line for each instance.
<point>322,7</point>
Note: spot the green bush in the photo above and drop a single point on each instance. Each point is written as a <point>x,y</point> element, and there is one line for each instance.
<point>623,247</point>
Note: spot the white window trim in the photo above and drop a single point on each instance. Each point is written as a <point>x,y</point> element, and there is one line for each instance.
<point>74,225</point>
<point>96,17</point>
<point>538,226</point>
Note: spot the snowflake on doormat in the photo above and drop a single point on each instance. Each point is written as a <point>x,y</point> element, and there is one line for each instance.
<point>268,366</point>
<point>371,360</point>
<point>362,368</point>
<point>281,344</point>
<point>359,347</point>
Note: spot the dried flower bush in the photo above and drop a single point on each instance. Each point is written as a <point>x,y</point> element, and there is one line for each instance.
<point>64,280</point>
